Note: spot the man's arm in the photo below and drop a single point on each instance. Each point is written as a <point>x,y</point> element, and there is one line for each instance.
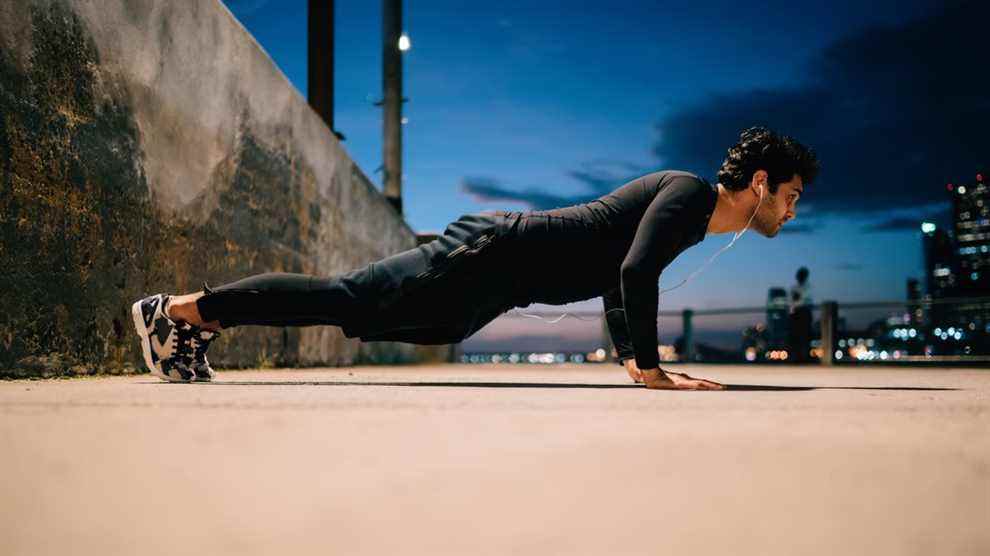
<point>655,244</point>
<point>615,318</point>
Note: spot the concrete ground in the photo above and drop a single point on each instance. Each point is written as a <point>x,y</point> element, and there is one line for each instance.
<point>499,459</point>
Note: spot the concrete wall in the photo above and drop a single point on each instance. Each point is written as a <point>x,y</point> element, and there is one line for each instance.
<point>147,146</point>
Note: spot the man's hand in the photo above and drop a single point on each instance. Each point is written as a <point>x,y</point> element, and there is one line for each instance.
<point>657,379</point>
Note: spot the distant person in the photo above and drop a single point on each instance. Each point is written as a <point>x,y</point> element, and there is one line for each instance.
<point>486,263</point>
<point>800,318</point>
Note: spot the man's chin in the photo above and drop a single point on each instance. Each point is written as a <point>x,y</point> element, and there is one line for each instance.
<point>770,233</point>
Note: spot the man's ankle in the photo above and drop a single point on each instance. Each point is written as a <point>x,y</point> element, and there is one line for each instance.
<point>180,309</point>
<point>170,309</point>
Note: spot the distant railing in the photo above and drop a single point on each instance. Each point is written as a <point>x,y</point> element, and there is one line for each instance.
<point>947,330</point>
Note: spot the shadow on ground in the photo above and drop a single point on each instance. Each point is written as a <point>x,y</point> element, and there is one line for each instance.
<point>469,384</point>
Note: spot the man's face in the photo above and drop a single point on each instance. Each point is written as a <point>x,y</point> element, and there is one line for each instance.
<point>777,209</point>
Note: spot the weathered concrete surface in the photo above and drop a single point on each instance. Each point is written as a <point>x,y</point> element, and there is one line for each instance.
<point>148,146</point>
<point>568,459</point>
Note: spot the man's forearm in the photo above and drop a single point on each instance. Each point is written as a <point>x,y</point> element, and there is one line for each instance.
<point>640,293</point>
<point>615,318</point>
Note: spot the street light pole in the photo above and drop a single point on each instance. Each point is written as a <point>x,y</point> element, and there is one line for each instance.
<point>392,90</point>
<point>319,84</point>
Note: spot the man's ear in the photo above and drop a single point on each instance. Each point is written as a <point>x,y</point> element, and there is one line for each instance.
<point>760,177</point>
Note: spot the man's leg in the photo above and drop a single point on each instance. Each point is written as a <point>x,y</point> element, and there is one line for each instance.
<point>184,308</point>
<point>277,299</point>
<point>435,289</point>
<point>176,331</point>
<point>438,292</point>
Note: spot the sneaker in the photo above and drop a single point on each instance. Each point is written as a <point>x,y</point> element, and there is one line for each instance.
<point>164,347</point>
<point>200,342</point>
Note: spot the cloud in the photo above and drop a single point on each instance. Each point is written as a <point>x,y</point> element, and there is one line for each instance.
<point>598,177</point>
<point>603,176</point>
<point>894,224</point>
<point>484,189</point>
<point>908,219</point>
<point>894,113</point>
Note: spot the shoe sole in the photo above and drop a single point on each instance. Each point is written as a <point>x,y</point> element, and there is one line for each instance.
<point>142,332</point>
<point>197,378</point>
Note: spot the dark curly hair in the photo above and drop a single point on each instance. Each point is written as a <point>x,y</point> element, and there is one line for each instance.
<point>761,149</point>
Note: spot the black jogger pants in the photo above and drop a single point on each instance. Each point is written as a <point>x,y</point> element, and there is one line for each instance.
<point>437,293</point>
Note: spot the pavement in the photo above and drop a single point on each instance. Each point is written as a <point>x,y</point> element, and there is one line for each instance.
<point>499,459</point>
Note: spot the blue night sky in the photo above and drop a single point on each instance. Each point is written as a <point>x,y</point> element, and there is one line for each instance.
<point>537,104</point>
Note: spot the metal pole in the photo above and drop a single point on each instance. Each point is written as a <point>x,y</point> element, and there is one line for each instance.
<point>829,319</point>
<point>319,84</point>
<point>392,90</point>
<point>688,335</point>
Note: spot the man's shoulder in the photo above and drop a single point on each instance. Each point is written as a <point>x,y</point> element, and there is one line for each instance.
<point>679,184</point>
<point>676,186</point>
<point>684,181</point>
<point>681,178</point>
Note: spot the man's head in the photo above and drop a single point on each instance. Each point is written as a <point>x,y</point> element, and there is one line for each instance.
<point>773,166</point>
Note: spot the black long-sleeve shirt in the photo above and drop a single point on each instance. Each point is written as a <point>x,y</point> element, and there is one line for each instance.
<point>616,246</point>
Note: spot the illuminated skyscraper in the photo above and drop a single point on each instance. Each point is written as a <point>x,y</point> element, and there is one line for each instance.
<point>916,313</point>
<point>940,261</point>
<point>971,219</point>
<point>957,265</point>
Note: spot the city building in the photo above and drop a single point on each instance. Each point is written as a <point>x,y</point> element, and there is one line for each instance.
<point>957,266</point>
<point>971,220</point>
<point>940,261</point>
<point>916,312</point>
